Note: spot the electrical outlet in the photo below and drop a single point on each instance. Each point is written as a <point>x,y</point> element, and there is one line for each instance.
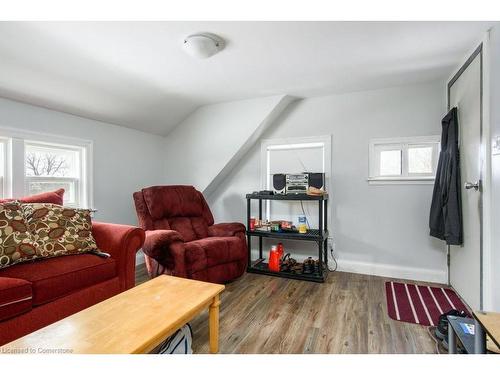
<point>332,265</point>
<point>331,244</point>
<point>495,147</point>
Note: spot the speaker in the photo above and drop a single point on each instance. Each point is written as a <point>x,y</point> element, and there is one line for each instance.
<point>317,180</point>
<point>279,183</point>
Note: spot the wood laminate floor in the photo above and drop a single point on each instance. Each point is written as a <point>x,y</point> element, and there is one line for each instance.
<point>347,314</point>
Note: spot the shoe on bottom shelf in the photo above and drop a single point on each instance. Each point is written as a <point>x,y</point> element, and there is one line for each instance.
<point>308,265</point>
<point>316,266</point>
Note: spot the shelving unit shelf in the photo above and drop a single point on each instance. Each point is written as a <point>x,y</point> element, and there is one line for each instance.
<point>319,235</point>
<point>311,235</point>
<point>263,268</point>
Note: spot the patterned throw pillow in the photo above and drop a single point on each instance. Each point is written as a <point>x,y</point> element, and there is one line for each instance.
<point>16,242</point>
<point>60,230</point>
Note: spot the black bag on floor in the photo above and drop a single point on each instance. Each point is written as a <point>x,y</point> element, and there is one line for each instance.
<point>441,331</point>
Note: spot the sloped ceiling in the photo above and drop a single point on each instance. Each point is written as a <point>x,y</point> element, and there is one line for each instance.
<point>135,74</point>
<point>205,147</point>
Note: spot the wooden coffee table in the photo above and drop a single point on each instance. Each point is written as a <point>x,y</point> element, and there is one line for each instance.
<point>135,321</point>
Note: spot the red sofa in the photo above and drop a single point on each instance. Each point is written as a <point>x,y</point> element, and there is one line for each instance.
<point>36,294</point>
<point>182,239</point>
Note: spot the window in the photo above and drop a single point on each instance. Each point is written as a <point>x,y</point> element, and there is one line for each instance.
<point>420,160</point>
<point>403,160</point>
<point>3,151</point>
<point>390,162</point>
<point>293,155</point>
<point>31,163</point>
<point>51,167</point>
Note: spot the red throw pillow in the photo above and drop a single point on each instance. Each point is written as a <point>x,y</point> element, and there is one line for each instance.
<point>54,197</point>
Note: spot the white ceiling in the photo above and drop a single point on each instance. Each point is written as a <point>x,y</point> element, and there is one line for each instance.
<point>136,74</point>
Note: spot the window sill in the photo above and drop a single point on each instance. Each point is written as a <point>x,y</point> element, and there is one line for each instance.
<point>401,180</point>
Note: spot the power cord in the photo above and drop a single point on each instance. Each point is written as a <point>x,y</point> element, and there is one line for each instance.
<point>333,258</point>
<point>329,245</point>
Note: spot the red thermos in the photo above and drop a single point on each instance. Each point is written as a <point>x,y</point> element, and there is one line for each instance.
<point>281,250</point>
<point>274,259</point>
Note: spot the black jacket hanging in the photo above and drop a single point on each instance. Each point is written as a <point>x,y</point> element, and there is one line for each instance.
<point>445,219</point>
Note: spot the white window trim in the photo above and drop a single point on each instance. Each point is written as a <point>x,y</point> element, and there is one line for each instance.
<point>14,184</point>
<point>43,179</point>
<point>405,179</point>
<point>267,145</point>
<point>5,142</point>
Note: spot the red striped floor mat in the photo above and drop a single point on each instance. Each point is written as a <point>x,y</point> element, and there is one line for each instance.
<point>420,304</point>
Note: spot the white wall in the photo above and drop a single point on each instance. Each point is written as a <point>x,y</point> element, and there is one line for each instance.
<point>494,85</point>
<point>125,160</point>
<point>203,148</point>
<point>376,229</point>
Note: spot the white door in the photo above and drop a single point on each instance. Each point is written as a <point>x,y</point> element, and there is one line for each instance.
<point>465,261</point>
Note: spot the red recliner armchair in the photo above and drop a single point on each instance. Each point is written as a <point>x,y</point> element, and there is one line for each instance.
<point>182,239</point>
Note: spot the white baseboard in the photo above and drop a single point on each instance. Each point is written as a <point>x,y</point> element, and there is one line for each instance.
<point>139,258</point>
<point>392,271</point>
<point>380,269</point>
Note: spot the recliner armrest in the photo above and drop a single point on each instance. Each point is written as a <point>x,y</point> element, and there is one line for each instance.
<point>158,241</point>
<point>226,229</point>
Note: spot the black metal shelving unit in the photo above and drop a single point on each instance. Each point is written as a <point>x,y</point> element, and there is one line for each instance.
<point>320,236</point>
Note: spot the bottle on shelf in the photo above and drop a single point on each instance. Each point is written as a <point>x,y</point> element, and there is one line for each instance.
<point>302,224</point>
<point>252,223</point>
<point>274,259</point>
<point>281,250</point>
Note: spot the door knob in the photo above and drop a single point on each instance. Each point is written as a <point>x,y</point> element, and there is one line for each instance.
<point>472,185</point>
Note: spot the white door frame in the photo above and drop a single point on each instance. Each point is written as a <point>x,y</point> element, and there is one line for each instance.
<point>483,177</point>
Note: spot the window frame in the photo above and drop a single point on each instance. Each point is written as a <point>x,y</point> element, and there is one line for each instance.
<point>403,144</point>
<point>47,179</point>
<point>293,143</point>
<point>16,181</point>
<point>79,182</point>
<point>4,147</point>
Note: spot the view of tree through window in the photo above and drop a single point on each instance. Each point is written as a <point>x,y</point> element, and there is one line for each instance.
<point>48,168</point>
<point>46,164</point>
<point>51,162</point>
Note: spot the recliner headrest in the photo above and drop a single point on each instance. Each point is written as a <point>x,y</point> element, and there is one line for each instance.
<point>173,201</point>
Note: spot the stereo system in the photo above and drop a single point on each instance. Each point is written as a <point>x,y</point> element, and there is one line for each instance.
<point>317,180</point>
<point>297,183</point>
<point>279,183</point>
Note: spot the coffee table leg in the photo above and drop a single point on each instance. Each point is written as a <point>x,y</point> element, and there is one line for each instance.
<point>213,324</point>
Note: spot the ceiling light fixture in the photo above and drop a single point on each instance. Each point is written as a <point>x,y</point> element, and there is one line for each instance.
<point>203,45</point>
